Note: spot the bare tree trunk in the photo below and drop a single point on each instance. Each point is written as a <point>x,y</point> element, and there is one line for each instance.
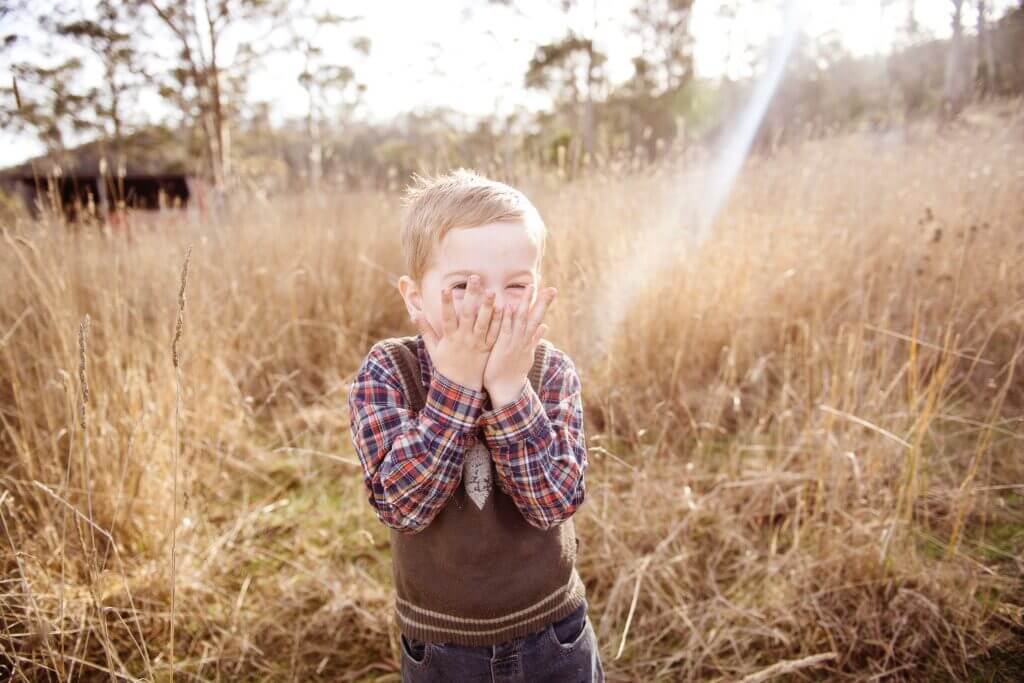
<point>115,108</point>
<point>201,75</point>
<point>316,157</point>
<point>198,72</point>
<point>986,60</point>
<point>588,123</point>
<point>575,149</point>
<point>215,100</point>
<point>954,86</point>
<point>588,106</point>
<point>314,137</point>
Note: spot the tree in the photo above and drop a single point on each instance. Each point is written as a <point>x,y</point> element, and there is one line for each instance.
<point>325,83</point>
<point>657,92</point>
<point>42,101</point>
<point>569,69</point>
<point>913,28</point>
<point>955,81</point>
<point>986,72</point>
<point>42,98</point>
<point>664,29</point>
<point>110,38</point>
<point>197,83</point>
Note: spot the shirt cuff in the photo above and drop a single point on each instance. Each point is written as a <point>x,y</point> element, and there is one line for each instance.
<point>453,405</point>
<point>512,422</point>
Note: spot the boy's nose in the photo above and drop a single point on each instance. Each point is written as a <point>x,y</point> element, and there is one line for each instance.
<point>513,298</point>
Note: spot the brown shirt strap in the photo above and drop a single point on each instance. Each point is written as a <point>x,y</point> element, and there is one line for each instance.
<point>403,354</point>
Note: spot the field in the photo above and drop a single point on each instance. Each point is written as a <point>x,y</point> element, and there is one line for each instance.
<point>804,435</point>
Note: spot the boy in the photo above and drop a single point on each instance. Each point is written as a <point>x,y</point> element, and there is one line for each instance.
<point>471,438</point>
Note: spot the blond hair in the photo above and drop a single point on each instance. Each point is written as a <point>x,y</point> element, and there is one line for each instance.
<point>459,199</point>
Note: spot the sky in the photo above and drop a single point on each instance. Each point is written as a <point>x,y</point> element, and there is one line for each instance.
<point>472,56</point>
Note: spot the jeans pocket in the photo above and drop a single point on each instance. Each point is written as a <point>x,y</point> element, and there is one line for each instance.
<point>569,631</point>
<point>416,652</point>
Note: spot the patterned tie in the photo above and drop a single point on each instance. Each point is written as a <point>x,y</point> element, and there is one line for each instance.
<point>476,472</point>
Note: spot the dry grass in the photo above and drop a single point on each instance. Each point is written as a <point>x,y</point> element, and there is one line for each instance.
<point>805,437</point>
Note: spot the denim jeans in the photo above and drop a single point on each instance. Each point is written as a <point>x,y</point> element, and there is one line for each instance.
<point>564,652</point>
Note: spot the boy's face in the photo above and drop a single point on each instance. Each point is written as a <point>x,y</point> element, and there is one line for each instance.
<point>501,254</point>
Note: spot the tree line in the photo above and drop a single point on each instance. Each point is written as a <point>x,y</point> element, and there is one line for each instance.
<point>231,140</point>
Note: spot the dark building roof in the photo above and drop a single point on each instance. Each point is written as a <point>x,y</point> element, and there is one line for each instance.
<point>148,153</point>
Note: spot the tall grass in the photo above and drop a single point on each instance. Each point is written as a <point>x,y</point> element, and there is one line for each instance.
<point>804,435</point>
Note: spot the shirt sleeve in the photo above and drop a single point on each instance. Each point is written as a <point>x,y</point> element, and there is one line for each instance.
<point>538,446</point>
<point>412,462</point>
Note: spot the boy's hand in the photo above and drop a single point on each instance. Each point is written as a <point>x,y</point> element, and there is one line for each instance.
<point>513,352</point>
<point>460,351</point>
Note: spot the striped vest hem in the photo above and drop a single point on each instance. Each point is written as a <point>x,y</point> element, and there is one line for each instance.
<point>433,626</point>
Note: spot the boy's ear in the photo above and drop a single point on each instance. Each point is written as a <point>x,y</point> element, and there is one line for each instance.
<point>411,294</point>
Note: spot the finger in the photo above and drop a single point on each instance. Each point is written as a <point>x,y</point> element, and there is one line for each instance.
<point>509,319</point>
<point>449,323</point>
<point>427,330</point>
<point>470,302</point>
<point>537,315</point>
<point>428,327</point>
<point>497,319</point>
<point>542,329</point>
<point>483,317</point>
<point>523,309</point>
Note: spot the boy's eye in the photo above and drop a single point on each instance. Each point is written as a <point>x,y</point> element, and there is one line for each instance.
<point>462,285</point>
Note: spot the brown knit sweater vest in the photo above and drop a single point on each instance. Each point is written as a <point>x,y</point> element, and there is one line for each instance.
<point>480,576</point>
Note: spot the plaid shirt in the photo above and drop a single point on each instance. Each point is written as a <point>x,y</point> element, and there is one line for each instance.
<point>412,462</point>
